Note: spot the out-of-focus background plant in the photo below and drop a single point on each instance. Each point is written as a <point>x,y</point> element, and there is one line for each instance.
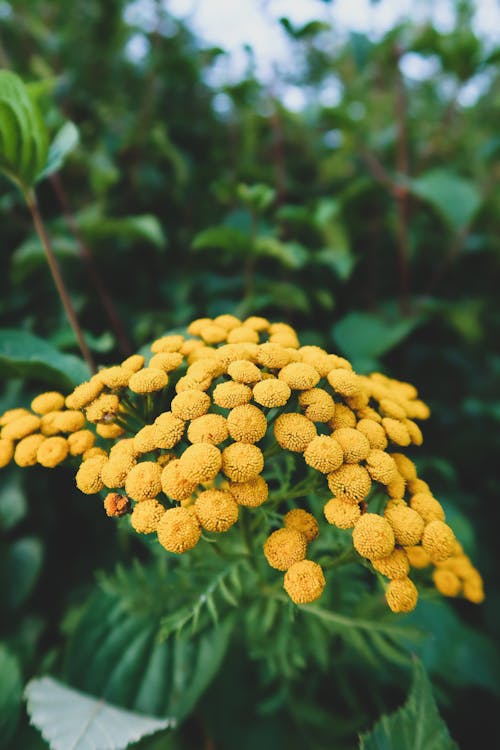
<point>370,223</point>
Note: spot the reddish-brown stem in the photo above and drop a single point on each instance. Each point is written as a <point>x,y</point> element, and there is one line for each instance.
<point>401,194</point>
<point>94,275</point>
<point>58,279</point>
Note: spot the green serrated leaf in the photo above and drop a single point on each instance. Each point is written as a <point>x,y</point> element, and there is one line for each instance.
<point>23,355</point>
<point>64,142</point>
<point>68,718</point>
<point>11,693</point>
<point>415,726</point>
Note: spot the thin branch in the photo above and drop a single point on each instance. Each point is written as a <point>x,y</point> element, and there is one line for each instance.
<point>58,279</point>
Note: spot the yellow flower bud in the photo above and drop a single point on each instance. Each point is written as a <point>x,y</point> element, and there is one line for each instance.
<point>84,394</point>
<point>273,356</point>
<point>200,462</point>
<point>170,430</point>
<point>271,392</point>
<point>21,427</point>
<point>381,467</point>
<point>228,322</point>
<point>241,335</point>
<point>394,566</point>
<point>345,382</point>
<point>48,425</point>
<point>133,363</point>
<point>6,451</point>
<point>373,537</point>
<point>350,482</point>
<point>216,510</point>
<point>299,376</point>
<point>354,444</point>
<point>414,432</point>
<point>103,408</point>
<point>116,505</point>
<point>473,592</point>
<point>190,404</point>
<point>178,530</point>
<point>438,540</point>
<point>80,441</point>
<point>374,433</point>
<point>109,431</point>
<point>115,377</point>
<point>427,506</point>
<point>231,394</point>
<point>195,327</point>
<point>166,361</point>
<point>302,521</point>
<point>304,582</point>
<point>341,513</point>
<point>343,417</point>
<point>167,344</point>
<point>415,486</point>
<point>251,494</point>
<point>406,467</point>
<point>446,582</point>
<point>243,371</point>
<point>324,454</point>
<point>242,462</point>
<point>12,414</point>
<point>246,423</point>
<point>285,547</point>
<point>401,595</point>
<point>418,557</point>
<point>26,450</point>
<point>213,334</point>
<point>417,409</point>
<point>317,404</point>
<point>148,380</point>
<point>124,447</point>
<point>45,402</point>
<point>407,525</point>
<point>390,408</point>
<point>209,428</point>
<point>396,431</point>
<point>143,481</point>
<point>174,484</point>
<point>69,421</point>
<point>146,439</point>
<point>93,452</point>
<point>294,432</point>
<point>88,476</point>
<point>257,323</point>
<point>146,516</point>
<point>317,358</point>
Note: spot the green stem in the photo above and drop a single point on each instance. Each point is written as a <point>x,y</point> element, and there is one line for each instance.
<point>32,204</point>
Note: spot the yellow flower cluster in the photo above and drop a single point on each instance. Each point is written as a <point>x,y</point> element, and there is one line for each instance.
<point>213,406</point>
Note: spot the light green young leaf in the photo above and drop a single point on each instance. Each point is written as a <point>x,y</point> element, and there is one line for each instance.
<point>455,198</point>
<point>223,237</point>
<point>64,141</point>
<point>415,726</point>
<point>71,720</point>
<point>23,355</point>
<point>289,254</point>
<point>11,693</point>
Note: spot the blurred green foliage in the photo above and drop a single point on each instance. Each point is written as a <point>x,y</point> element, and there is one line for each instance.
<point>371,225</point>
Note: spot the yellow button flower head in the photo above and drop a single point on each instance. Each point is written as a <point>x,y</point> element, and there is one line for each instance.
<point>148,380</point>
<point>438,540</point>
<point>134,363</point>
<point>146,516</point>
<point>45,402</point>
<point>414,431</point>
<point>368,413</point>
<point>103,409</point>
<point>93,452</point>
<point>69,421</point>
<point>80,441</point>
<point>417,409</point>
<point>115,472</point>
<point>115,377</point>
<point>228,353</point>
<point>273,356</point>
<point>241,335</point>
<point>271,393</point>
<point>381,467</point>
<point>351,482</point>
<point>418,485</point>
<point>242,462</point>
<point>407,524</point>
<point>190,405</point>
<point>374,432</point>
<point>390,408</point>
<point>207,368</point>
<point>84,394</point>
<point>341,513</point>
<point>231,394</point>
<point>299,376</point>
<point>88,476</point>
<point>143,481</point>
<point>166,361</point>
<point>396,488</point>
<point>304,582</point>
<point>195,327</point>
<point>146,439</point>
<point>406,467</point>
<point>12,414</point>
<point>213,334</point>
<point>170,430</point>
<point>401,595</point>
<point>124,447</point>
<point>227,321</point>
<point>21,427</point>
<point>285,547</point>
<point>6,451</point>
<point>427,506</point>
<point>196,351</point>
<point>446,582</point>
<point>109,431</point>
<point>395,566</point>
<point>354,444</point>
<point>200,463</point>
<point>48,425</point>
<point>345,382</point>
<point>216,510</point>
<point>250,494</point>
<point>294,432</point>
<point>396,431</point>
<point>209,428</point>
<point>167,344</point>
<point>243,371</point>
<point>324,454</point>
<point>343,417</point>
<point>116,505</point>
<point>173,483</point>
<point>179,530</point>
<point>373,537</point>
<point>246,423</point>
<point>26,450</point>
<point>317,358</point>
<point>257,323</point>
<point>302,521</point>
<point>288,340</point>
<point>317,404</point>
<point>418,557</point>
<point>473,593</point>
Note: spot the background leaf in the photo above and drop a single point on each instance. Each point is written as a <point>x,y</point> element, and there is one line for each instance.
<point>11,692</point>
<point>455,198</point>
<point>64,142</point>
<point>20,565</point>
